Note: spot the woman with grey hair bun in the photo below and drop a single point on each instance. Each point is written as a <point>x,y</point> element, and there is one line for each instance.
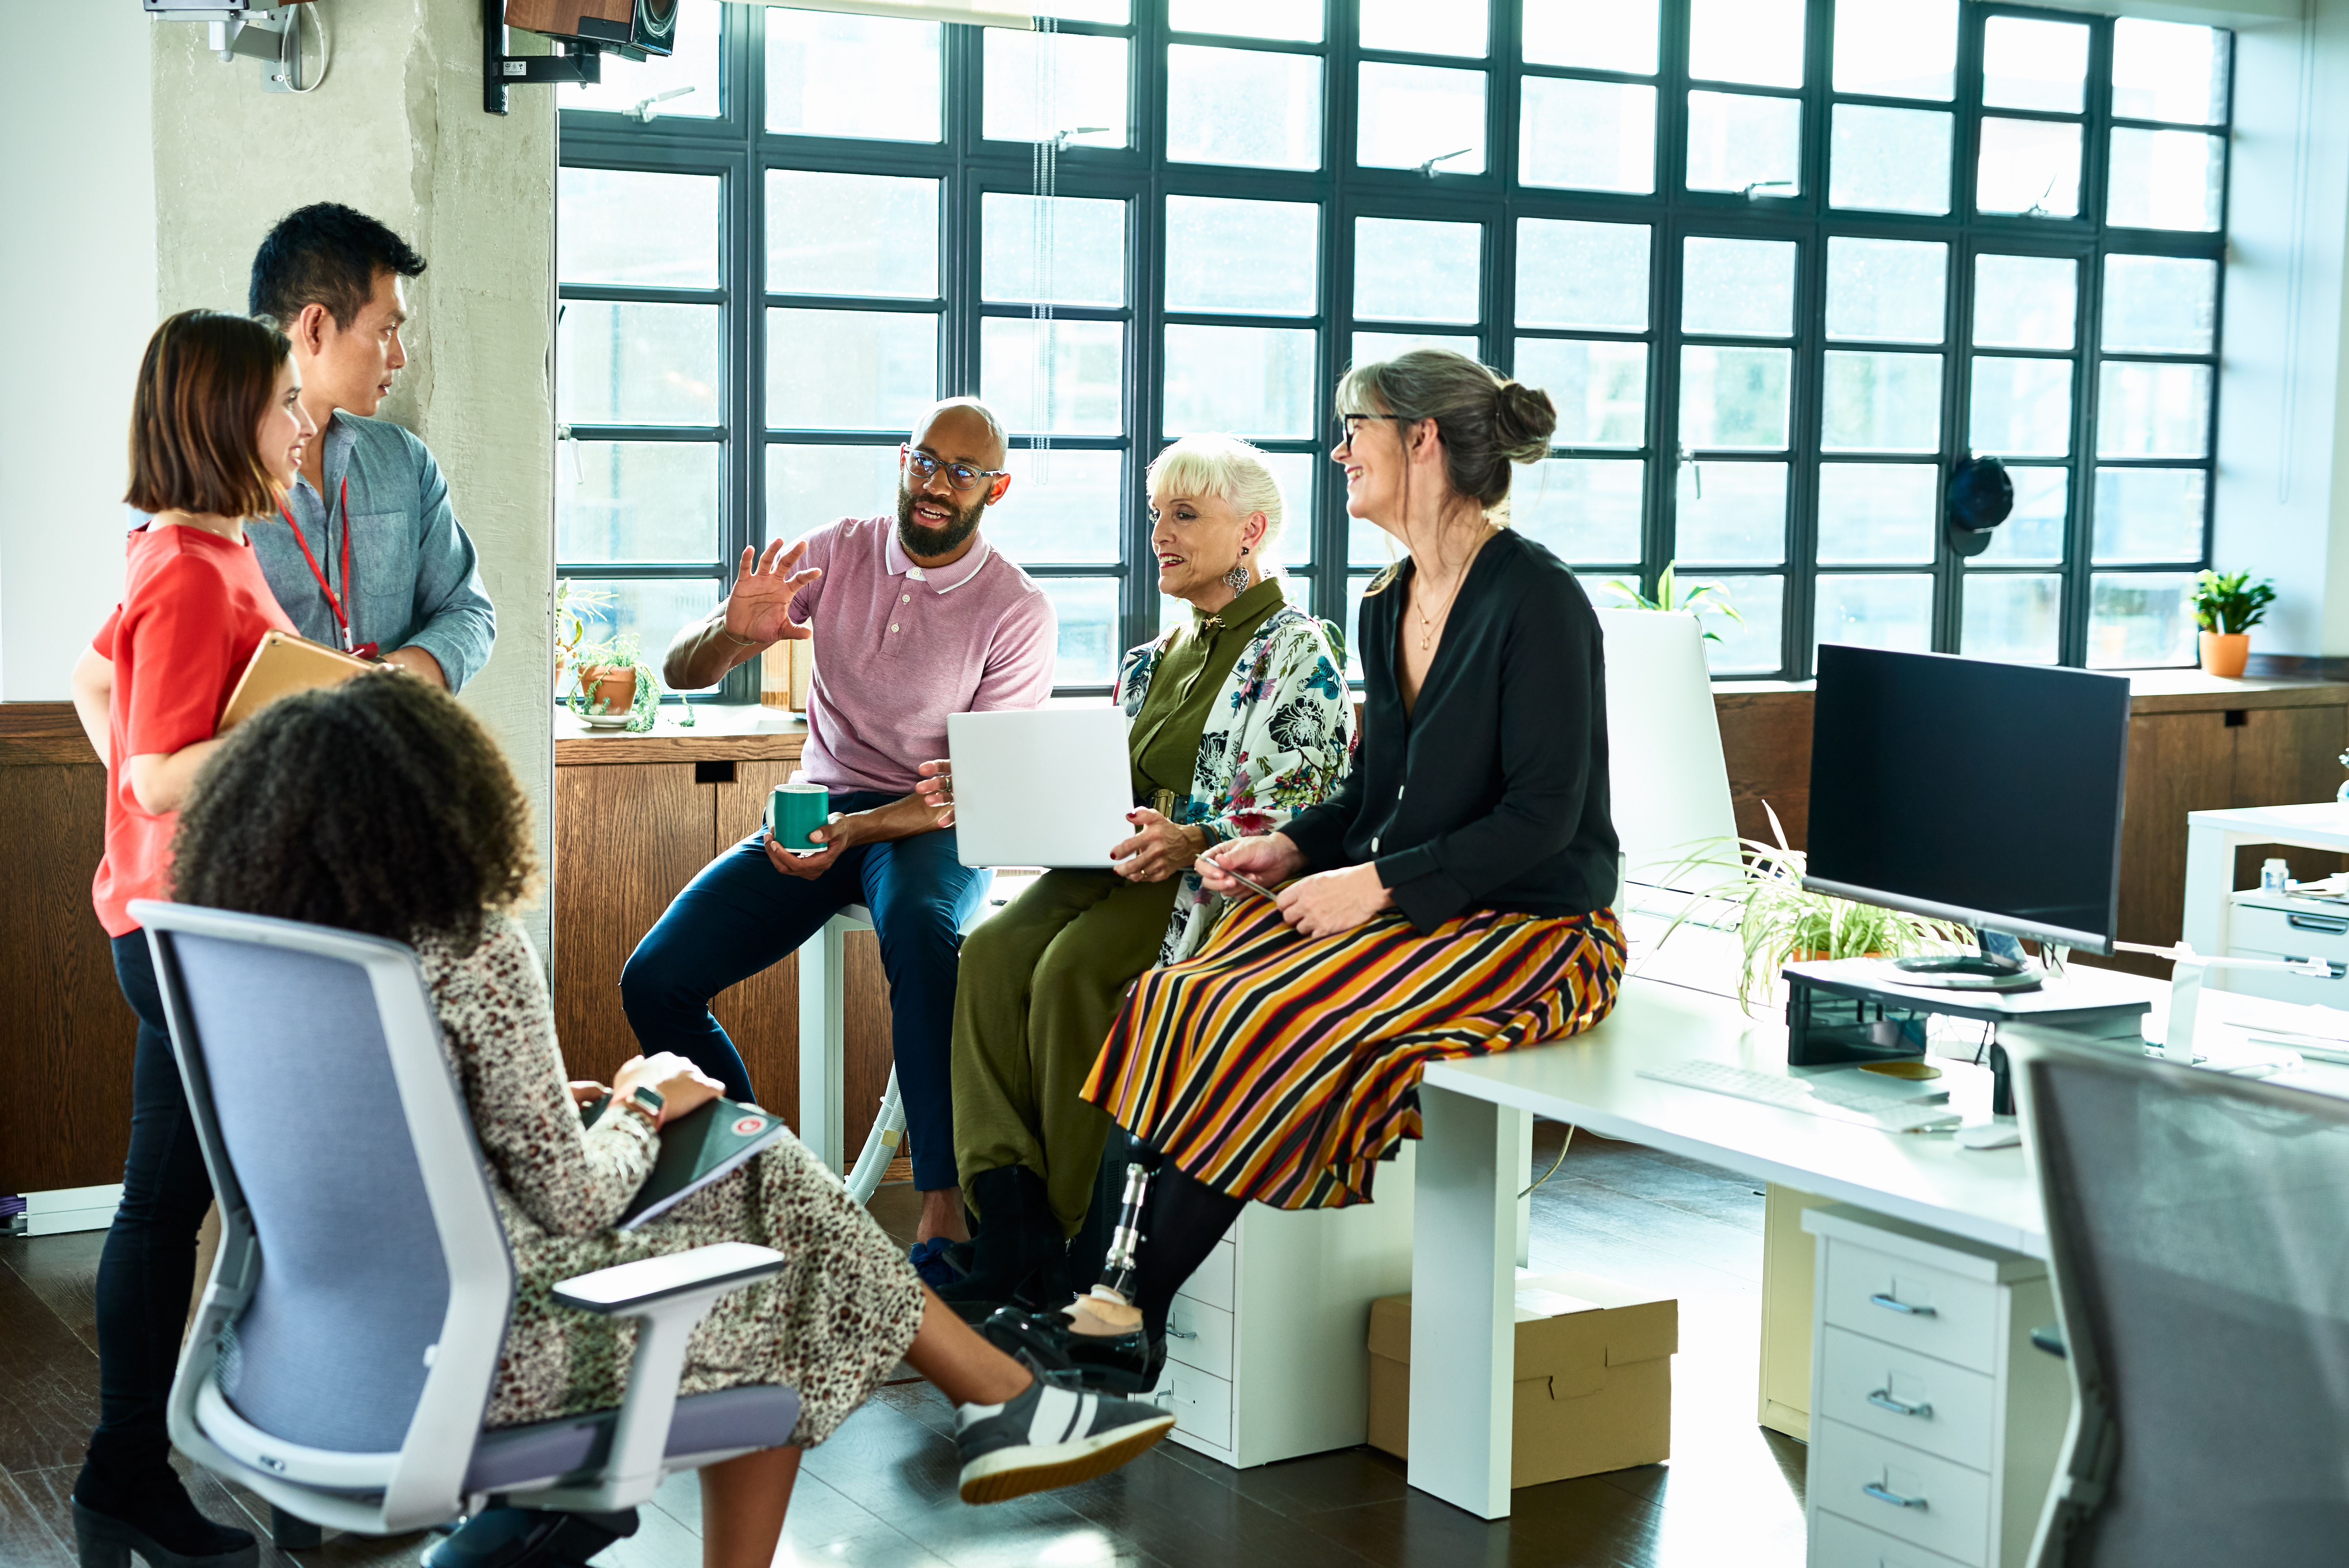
<point>1240,718</point>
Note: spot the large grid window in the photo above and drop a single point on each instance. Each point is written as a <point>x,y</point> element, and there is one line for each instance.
<point>1779,262</point>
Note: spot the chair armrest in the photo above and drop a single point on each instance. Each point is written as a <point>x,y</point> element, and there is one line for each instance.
<point>628,1289</point>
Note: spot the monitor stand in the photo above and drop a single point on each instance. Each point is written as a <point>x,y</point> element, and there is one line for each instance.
<point>2000,965</point>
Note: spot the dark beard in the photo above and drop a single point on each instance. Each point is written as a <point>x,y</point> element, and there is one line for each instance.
<point>920,540</point>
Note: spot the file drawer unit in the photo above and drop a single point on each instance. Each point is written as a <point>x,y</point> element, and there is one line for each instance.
<point>1265,1356</point>
<point>2266,925</point>
<point>1935,1422</point>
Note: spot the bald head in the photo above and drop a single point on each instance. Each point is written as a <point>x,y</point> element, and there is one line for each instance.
<point>962,429</point>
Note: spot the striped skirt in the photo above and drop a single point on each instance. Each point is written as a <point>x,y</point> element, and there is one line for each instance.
<point>1280,1067</point>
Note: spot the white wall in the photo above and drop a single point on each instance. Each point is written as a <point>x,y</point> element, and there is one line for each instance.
<point>77,275</point>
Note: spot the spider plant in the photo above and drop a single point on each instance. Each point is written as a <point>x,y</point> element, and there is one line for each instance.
<point>1697,601</point>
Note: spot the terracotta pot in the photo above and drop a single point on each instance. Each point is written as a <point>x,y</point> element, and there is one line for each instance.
<point>2224,653</point>
<point>617,687</point>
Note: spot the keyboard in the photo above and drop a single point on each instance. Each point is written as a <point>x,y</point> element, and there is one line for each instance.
<point>1825,1097</point>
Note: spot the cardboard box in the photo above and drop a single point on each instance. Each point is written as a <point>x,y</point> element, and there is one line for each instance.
<point>1594,1377</point>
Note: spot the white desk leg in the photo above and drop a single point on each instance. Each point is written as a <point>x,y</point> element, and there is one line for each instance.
<point>1462,1301</point>
<point>2210,878</point>
<point>1524,1178</point>
<point>823,1046</point>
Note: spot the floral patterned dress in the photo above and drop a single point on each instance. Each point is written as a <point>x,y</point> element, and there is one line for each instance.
<point>831,1325</point>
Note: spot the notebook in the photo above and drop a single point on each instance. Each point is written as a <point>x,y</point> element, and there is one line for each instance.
<point>281,666</point>
<point>695,1149</point>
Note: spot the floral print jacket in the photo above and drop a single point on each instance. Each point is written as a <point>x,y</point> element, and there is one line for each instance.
<point>1279,739</point>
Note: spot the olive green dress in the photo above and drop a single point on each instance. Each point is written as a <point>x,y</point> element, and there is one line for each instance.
<point>1040,982</point>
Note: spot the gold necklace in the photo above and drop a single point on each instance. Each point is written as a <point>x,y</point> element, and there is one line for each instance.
<point>1427,626</point>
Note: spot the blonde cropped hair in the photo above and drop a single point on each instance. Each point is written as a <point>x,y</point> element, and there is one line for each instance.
<point>1232,472</point>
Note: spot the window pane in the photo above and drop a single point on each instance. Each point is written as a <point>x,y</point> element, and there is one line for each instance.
<point>2161,305</point>
<point>1886,291</point>
<point>1758,41</point>
<point>1587,136</point>
<point>1254,258</point>
<point>850,369</point>
<point>1733,398</point>
<point>1871,512</point>
<point>1351,620</point>
<point>2153,410</point>
<point>2014,617</point>
<point>2033,64</point>
<point>693,65</point>
<point>644,230</point>
<point>2032,534</point>
<point>1600,389</point>
<point>1582,275</point>
<point>1585,509</point>
<point>1596,35</point>
<point>1294,471</point>
<point>1251,106</point>
<point>1413,27</point>
<point>1066,509</point>
<point>2166,180</point>
<point>1117,13</point>
<point>2166,70</point>
<point>1064,250</point>
<point>1086,608</point>
<point>1406,270</point>
<point>636,501</point>
<point>2140,619</point>
<point>2024,302</point>
<point>1752,649</point>
<point>1368,545</point>
<point>636,364</point>
<point>1742,288</point>
<point>1063,377</point>
<point>1369,345</point>
<point>1732,513</point>
<point>852,233</point>
<point>2029,166</point>
<point>1040,84</point>
<point>1890,159</point>
<point>820,70</point>
<point>652,609</point>
<point>1411,114</point>
<point>808,487</point>
<point>2022,408</point>
<point>1246,380</point>
<point>1882,402</point>
<point>1297,19</point>
<point>1875,611</point>
<point>1738,141</point>
<point>1897,48</point>
<point>2149,514</point>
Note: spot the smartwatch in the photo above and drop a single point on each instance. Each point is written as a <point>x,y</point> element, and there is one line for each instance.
<point>647,1102</point>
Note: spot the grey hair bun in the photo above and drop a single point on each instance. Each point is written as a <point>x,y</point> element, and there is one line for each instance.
<point>1523,421</point>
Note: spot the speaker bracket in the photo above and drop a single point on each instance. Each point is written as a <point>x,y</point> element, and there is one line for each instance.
<point>573,61</point>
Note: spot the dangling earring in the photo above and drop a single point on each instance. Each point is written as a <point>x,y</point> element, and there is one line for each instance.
<point>1237,579</point>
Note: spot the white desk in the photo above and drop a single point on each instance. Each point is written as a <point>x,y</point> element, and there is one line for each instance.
<point>2211,840</point>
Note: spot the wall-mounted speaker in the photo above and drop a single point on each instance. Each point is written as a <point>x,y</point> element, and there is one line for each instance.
<point>632,27</point>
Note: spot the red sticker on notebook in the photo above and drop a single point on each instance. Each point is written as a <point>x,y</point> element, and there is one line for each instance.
<point>748,1124</point>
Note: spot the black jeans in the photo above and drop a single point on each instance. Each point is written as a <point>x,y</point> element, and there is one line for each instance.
<point>149,1266</point>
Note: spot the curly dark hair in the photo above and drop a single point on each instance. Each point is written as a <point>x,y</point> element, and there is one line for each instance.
<point>378,805</point>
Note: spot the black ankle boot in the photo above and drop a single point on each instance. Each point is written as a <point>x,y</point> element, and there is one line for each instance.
<point>156,1519</point>
<point>528,1538</point>
<point>1017,1236</point>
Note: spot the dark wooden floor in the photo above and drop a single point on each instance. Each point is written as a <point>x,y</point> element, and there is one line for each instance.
<point>881,1493</point>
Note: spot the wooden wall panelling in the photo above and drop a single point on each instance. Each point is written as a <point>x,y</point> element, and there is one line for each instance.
<point>762,1014</point>
<point>1765,739</point>
<point>2177,762</point>
<point>627,838</point>
<point>2287,756</point>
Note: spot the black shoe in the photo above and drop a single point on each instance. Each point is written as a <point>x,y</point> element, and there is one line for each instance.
<point>1107,1362</point>
<point>529,1538</point>
<point>1017,1237</point>
<point>155,1519</point>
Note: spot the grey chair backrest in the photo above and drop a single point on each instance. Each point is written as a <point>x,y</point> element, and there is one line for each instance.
<point>363,1281</point>
<point>2199,1226</point>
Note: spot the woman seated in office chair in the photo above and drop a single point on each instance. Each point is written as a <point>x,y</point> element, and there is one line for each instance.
<point>382,806</point>
<point>1239,718</point>
<point>1449,901</point>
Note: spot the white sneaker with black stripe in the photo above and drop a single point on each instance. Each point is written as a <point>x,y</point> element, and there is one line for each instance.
<point>1050,1436</point>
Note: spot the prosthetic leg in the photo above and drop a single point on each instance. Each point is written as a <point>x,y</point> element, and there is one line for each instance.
<point>1117,1282</point>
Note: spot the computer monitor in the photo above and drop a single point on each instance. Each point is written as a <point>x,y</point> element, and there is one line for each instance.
<point>1971,791</point>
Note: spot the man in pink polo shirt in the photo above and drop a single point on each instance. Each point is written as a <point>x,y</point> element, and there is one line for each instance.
<point>913,618</point>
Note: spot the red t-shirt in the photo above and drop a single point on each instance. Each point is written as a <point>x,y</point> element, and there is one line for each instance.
<point>193,608</point>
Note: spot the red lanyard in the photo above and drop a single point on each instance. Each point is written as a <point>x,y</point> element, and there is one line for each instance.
<point>342,618</point>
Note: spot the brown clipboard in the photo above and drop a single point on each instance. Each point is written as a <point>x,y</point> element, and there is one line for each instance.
<point>282,665</point>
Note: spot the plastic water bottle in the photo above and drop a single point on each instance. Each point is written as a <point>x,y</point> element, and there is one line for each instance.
<point>2275,876</point>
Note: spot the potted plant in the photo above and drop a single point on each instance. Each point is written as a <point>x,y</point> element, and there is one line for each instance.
<point>574,607</point>
<point>2226,607</point>
<point>1697,601</point>
<point>614,688</point>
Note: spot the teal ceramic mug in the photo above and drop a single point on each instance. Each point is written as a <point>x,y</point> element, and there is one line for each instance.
<point>796,810</point>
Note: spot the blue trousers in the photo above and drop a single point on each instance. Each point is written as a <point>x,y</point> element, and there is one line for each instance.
<point>740,915</point>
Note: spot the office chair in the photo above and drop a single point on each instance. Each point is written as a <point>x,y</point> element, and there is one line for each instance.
<point>347,1343</point>
<point>2198,1231</point>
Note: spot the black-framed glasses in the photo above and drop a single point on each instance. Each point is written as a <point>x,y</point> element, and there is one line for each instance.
<point>959,475</point>
<point>1346,424</point>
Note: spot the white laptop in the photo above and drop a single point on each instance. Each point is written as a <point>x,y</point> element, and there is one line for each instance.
<point>1040,786</point>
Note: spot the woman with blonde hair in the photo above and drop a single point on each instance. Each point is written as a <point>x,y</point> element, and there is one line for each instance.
<point>1240,720</point>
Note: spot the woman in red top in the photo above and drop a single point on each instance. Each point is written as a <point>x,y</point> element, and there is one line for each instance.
<point>216,435</point>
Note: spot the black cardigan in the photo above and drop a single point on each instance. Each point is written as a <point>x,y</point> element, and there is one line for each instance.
<point>1492,793</point>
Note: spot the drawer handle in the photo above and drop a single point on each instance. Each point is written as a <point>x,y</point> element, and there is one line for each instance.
<point>1883,1400</point>
<point>1894,1303</point>
<point>1883,1493</point>
<point>1174,1333</point>
<point>2333,925</point>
